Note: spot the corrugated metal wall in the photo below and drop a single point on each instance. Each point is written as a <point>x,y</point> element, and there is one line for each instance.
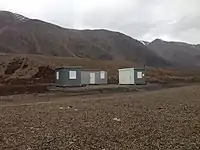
<point>126,76</point>
<point>139,76</point>
<point>132,76</point>
<point>63,77</point>
<point>86,77</point>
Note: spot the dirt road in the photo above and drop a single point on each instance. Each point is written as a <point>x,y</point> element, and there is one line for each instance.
<point>6,90</point>
<point>44,93</point>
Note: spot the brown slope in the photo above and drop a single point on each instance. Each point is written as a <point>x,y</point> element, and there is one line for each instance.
<point>179,53</point>
<point>8,18</point>
<point>33,69</point>
<point>29,69</point>
<point>28,36</point>
<point>21,69</point>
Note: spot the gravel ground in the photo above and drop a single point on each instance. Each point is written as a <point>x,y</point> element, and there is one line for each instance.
<point>165,119</point>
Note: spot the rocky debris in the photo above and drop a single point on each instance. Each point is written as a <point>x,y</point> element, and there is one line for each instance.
<point>14,65</point>
<point>45,72</point>
<point>61,108</point>
<point>18,72</point>
<point>117,119</point>
<point>69,107</point>
<point>44,126</point>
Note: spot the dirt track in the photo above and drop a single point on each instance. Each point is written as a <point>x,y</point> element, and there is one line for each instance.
<point>40,93</point>
<point>21,89</point>
<point>165,119</point>
<point>44,88</point>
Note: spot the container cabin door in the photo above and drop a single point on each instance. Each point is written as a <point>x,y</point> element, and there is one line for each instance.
<point>131,77</point>
<point>92,78</point>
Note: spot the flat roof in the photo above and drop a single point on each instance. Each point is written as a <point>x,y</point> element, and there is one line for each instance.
<point>69,67</point>
<point>130,68</point>
<point>93,70</point>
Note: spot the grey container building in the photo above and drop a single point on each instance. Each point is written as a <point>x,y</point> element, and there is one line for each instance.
<point>68,76</point>
<point>93,77</point>
<point>132,76</point>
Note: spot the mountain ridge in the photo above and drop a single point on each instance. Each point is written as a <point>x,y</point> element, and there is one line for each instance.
<point>22,35</point>
<point>180,53</point>
<point>33,36</point>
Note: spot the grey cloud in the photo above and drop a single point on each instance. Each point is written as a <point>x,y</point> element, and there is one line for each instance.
<point>142,19</point>
<point>187,23</point>
<point>187,29</point>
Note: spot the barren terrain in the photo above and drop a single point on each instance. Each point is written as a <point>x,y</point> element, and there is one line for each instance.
<point>21,35</point>
<point>27,70</point>
<point>34,115</point>
<point>163,119</point>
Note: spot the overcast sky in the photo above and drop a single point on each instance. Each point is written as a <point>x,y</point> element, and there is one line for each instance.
<point>177,20</point>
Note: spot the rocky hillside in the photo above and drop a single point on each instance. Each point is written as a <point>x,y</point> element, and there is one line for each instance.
<point>198,46</point>
<point>21,35</point>
<point>182,54</point>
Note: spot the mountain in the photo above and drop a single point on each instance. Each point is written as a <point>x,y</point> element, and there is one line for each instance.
<point>197,46</point>
<point>21,35</point>
<point>178,53</point>
<point>144,42</point>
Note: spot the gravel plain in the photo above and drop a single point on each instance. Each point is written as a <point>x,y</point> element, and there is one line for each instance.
<point>164,119</point>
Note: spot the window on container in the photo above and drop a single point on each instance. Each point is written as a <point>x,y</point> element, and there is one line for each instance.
<point>102,74</point>
<point>72,74</point>
<point>57,75</point>
<point>139,75</point>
